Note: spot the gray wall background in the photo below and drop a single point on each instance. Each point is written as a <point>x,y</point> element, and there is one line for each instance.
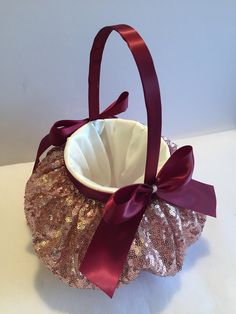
<point>44,50</point>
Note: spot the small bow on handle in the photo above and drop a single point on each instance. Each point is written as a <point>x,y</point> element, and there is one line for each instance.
<point>62,129</point>
<point>104,260</point>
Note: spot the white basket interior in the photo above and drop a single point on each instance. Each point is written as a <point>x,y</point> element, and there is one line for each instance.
<point>108,154</point>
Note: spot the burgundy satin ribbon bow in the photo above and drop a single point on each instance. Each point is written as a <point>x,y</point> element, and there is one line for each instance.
<point>104,260</point>
<point>62,129</point>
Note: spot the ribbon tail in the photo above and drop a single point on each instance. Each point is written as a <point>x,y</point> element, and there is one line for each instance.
<point>104,260</point>
<point>194,195</point>
<point>107,253</point>
<point>118,106</point>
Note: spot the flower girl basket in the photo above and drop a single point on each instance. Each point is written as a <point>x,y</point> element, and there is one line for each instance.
<point>113,198</point>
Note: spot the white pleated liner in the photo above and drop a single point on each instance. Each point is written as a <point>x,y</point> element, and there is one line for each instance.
<point>108,154</point>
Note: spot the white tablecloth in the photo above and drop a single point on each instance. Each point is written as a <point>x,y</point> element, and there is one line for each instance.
<point>207,283</point>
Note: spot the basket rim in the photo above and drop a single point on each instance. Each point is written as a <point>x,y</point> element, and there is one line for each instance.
<point>85,180</point>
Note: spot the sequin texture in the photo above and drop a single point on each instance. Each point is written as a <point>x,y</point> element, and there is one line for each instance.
<point>63,221</point>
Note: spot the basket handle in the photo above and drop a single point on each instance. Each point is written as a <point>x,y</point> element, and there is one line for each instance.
<point>150,85</point>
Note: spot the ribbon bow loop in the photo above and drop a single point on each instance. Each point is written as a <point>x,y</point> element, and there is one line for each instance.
<point>62,129</point>
<point>177,171</point>
<point>176,186</point>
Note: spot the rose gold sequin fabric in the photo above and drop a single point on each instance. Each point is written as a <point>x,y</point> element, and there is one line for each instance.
<point>63,221</point>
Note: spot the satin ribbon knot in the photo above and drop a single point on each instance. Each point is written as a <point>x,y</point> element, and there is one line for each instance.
<point>174,184</point>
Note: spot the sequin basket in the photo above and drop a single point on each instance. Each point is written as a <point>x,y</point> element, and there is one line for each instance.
<point>74,191</point>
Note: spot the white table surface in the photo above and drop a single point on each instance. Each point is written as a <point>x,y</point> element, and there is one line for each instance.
<point>207,283</point>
